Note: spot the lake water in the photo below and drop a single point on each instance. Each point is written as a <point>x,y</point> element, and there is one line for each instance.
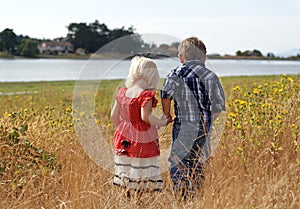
<point>26,70</point>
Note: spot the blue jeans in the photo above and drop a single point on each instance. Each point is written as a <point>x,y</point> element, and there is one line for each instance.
<point>190,149</point>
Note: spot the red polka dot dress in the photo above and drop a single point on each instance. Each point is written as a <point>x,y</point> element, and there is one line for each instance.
<point>136,145</point>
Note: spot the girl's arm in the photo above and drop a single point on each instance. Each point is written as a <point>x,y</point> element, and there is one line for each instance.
<point>115,114</point>
<point>151,119</point>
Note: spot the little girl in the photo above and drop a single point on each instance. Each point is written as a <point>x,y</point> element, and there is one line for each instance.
<point>136,138</point>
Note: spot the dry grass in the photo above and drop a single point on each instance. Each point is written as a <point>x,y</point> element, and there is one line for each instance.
<point>256,165</point>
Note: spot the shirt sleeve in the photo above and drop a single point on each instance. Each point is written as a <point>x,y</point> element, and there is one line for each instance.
<point>216,95</point>
<point>170,85</point>
<point>146,97</point>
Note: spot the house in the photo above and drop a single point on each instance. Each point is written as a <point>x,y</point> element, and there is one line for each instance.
<point>80,51</point>
<point>56,47</point>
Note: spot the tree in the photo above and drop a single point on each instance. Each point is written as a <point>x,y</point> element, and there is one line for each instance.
<point>257,53</point>
<point>120,32</point>
<point>79,35</point>
<point>28,48</point>
<point>130,44</point>
<point>249,53</point>
<point>93,36</point>
<point>239,53</point>
<point>8,41</point>
<point>88,36</point>
<point>175,44</point>
<point>270,54</point>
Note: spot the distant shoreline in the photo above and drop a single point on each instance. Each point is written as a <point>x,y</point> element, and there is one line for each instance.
<point>150,55</point>
<point>253,58</point>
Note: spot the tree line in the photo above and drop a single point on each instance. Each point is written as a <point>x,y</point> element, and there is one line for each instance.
<point>96,35</point>
<point>89,36</point>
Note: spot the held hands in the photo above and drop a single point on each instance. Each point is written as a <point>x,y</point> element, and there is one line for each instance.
<point>168,119</point>
<point>163,121</point>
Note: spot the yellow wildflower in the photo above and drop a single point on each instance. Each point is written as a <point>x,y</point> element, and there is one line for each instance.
<point>266,105</point>
<point>76,119</point>
<point>232,115</point>
<point>255,91</point>
<point>236,88</point>
<point>242,102</point>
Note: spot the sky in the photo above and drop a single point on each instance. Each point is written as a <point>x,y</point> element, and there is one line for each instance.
<point>225,26</point>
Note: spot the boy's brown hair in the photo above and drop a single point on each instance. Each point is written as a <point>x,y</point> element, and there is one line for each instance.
<point>192,48</point>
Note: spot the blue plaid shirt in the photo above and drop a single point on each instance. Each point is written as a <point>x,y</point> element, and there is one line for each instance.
<point>196,91</point>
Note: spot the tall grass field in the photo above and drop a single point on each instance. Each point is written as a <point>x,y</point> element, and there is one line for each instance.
<point>43,165</point>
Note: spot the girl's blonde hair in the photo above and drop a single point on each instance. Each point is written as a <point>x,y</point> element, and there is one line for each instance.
<point>143,68</point>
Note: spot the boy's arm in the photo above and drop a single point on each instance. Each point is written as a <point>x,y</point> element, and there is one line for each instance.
<point>166,105</point>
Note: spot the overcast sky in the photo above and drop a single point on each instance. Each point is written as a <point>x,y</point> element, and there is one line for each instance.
<point>224,25</point>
